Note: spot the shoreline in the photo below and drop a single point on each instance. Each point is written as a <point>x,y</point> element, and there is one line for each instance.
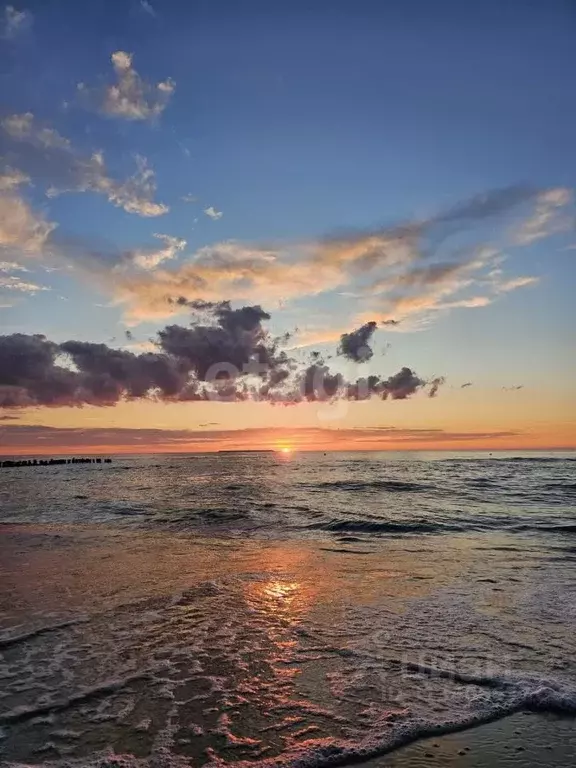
<point>204,605</point>
<point>520,740</point>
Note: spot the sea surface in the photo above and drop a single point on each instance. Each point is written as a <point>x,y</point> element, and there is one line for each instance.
<point>267,609</point>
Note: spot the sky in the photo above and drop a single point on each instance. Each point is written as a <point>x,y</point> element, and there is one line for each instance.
<point>330,225</point>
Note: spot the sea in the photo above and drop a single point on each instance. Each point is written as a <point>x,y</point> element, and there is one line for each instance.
<point>272,609</point>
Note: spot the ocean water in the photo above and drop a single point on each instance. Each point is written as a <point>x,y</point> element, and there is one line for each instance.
<point>270,609</point>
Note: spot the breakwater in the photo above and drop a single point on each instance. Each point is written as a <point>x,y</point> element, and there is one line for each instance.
<point>7,463</point>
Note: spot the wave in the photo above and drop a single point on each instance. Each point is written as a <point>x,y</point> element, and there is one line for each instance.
<point>86,694</point>
<point>547,528</point>
<point>535,459</point>
<point>568,488</point>
<point>368,485</point>
<point>383,526</point>
<point>7,641</point>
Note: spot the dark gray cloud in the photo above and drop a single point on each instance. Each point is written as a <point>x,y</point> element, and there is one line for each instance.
<point>226,354</point>
<point>355,346</point>
<point>513,388</point>
<point>435,385</point>
<point>234,340</point>
<point>466,384</point>
<point>402,384</point>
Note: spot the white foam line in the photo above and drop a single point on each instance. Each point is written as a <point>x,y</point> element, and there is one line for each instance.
<point>6,642</point>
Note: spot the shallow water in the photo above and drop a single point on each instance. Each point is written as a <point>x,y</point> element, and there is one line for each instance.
<point>311,609</point>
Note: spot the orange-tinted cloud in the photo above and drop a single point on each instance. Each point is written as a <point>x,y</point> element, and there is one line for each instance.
<point>19,439</point>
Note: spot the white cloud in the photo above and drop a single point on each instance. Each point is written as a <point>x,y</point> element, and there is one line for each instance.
<point>24,128</point>
<point>14,22</point>
<point>212,213</point>
<point>147,8</point>
<point>189,198</point>
<point>12,266</point>
<point>516,282</point>
<point>11,179</point>
<point>546,219</point>
<point>134,194</point>
<point>13,283</point>
<point>47,156</point>
<point>151,258</point>
<point>131,97</point>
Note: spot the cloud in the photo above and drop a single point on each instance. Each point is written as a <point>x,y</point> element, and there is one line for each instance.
<point>403,384</point>
<point>14,283</point>
<point>30,436</point>
<point>546,219</point>
<point>131,97</point>
<point>225,354</point>
<point>399,273</point>
<point>147,8</point>
<point>12,266</point>
<point>21,229</point>
<point>435,385</point>
<point>212,213</point>
<point>189,198</point>
<point>466,384</point>
<point>513,388</point>
<point>403,274</point>
<point>152,258</point>
<point>242,272</point>
<point>516,282</point>
<point>14,22</point>
<point>355,346</point>
<point>44,155</point>
<point>10,179</point>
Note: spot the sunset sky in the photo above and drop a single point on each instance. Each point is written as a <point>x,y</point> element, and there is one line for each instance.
<point>336,163</point>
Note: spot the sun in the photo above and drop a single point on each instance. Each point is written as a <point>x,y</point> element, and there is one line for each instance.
<point>285,449</point>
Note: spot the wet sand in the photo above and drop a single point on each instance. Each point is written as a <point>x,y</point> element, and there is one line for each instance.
<point>520,741</point>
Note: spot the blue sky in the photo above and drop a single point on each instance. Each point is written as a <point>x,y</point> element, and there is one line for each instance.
<point>269,131</point>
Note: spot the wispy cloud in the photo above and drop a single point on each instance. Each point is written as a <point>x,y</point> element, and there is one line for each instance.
<point>12,266</point>
<point>405,272</point>
<point>11,178</point>
<point>212,213</point>
<point>14,22</point>
<point>21,229</point>
<point>404,275</point>
<point>130,97</point>
<point>147,8</point>
<point>30,436</point>
<point>44,155</point>
<point>151,258</point>
<point>15,283</point>
<point>547,218</point>
<point>516,282</point>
